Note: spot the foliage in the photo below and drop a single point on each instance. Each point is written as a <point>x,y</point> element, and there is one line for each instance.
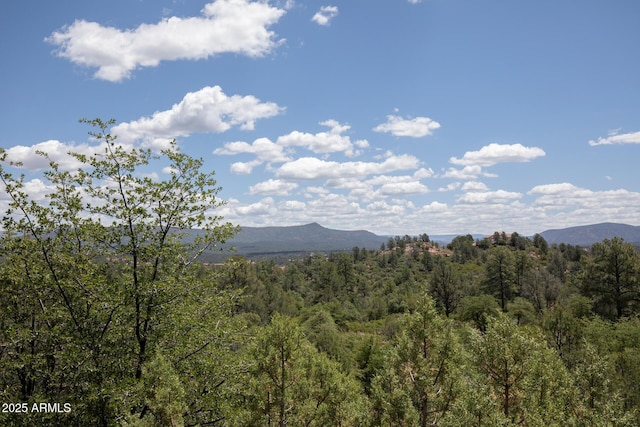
<point>96,288</point>
<point>106,307</point>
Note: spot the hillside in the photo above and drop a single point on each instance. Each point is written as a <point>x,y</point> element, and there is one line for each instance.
<point>586,235</point>
<point>286,241</point>
<point>265,241</point>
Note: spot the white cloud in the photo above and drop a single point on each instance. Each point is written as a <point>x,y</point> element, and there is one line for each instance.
<point>169,170</point>
<point>244,168</point>
<point>265,206</point>
<point>416,127</point>
<point>324,142</point>
<point>274,187</point>
<point>566,204</point>
<point>153,176</point>
<point>263,148</point>
<point>562,195</point>
<point>474,186</point>
<point>388,179</point>
<point>38,189</point>
<point>292,205</point>
<point>308,168</point>
<point>492,154</point>
<point>382,208</point>
<point>361,143</point>
<point>488,197</point>
<point>450,187</point>
<point>325,15</point>
<point>467,172</point>
<point>414,1</point>
<point>226,26</point>
<point>349,184</point>
<point>397,188</point>
<point>313,190</point>
<point>423,173</point>
<point>560,188</point>
<point>57,151</point>
<point>289,4</point>
<point>615,138</point>
<point>474,210</point>
<point>434,207</point>
<point>207,110</point>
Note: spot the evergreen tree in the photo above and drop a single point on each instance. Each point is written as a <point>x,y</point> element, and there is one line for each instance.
<point>101,276</point>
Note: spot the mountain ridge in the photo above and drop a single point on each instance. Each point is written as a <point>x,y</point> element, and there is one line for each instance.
<point>586,235</point>
<point>256,242</point>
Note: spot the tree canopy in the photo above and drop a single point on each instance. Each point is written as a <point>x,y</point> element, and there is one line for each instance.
<point>107,311</point>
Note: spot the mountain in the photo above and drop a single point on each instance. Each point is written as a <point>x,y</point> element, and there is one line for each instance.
<point>284,242</point>
<point>265,241</point>
<point>586,235</point>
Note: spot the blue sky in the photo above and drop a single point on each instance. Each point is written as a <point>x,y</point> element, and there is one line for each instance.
<point>395,116</point>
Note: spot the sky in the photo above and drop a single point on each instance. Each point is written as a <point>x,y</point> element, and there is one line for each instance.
<point>393,116</point>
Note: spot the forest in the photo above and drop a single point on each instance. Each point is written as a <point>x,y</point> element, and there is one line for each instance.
<point>109,319</point>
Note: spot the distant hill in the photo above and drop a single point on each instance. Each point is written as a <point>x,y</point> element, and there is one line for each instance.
<point>291,241</point>
<point>587,235</point>
<point>255,242</point>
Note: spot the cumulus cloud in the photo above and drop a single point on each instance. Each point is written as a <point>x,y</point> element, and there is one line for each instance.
<point>559,188</point>
<point>387,179</point>
<point>309,168</point>
<point>563,195</point>
<point>56,150</point>
<point>434,207</point>
<point>325,15</point>
<point>488,197</point>
<point>474,186</point>
<point>226,26</point>
<point>492,154</point>
<point>273,187</point>
<point>416,127</point>
<point>265,206</point>
<point>292,205</point>
<point>352,184</point>
<point>244,168</point>
<point>389,185</point>
<point>324,142</point>
<point>567,204</point>
<point>263,148</point>
<point>398,188</point>
<point>206,110</point>
<point>450,187</point>
<point>615,138</point>
<point>476,209</point>
<point>467,172</point>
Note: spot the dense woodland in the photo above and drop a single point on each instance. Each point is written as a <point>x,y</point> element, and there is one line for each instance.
<point>104,307</point>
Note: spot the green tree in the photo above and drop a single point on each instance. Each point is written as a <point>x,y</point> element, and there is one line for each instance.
<point>463,248</point>
<point>528,379</point>
<point>613,278</point>
<point>295,385</point>
<point>445,285</point>
<point>477,309</point>
<point>163,395</point>
<point>421,368</point>
<point>500,274</point>
<point>540,287</point>
<point>369,360</point>
<point>563,324</point>
<point>540,243</point>
<point>102,274</point>
<point>602,405</point>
